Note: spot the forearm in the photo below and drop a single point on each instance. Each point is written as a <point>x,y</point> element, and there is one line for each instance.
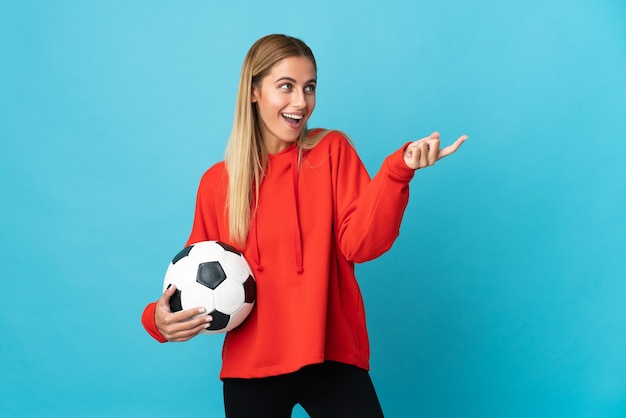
<point>372,221</point>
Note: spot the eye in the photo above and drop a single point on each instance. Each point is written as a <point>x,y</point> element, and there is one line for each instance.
<point>310,88</point>
<point>285,86</point>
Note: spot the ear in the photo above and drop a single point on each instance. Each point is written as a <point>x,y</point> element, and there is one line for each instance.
<point>254,97</point>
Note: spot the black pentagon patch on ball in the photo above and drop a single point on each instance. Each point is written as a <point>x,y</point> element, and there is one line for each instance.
<point>220,320</point>
<point>175,302</point>
<point>210,274</point>
<point>182,254</point>
<point>228,248</point>
<point>249,288</point>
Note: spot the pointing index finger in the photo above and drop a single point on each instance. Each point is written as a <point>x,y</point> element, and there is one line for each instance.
<point>450,149</point>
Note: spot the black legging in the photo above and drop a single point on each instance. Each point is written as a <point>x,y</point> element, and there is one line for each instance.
<point>324,390</point>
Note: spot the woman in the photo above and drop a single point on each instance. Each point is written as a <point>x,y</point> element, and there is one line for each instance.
<point>302,208</point>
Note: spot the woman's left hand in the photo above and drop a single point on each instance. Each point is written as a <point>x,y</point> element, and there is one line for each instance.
<point>426,152</point>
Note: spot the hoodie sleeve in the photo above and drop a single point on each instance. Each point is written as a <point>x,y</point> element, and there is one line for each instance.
<point>147,319</point>
<point>369,212</point>
<point>205,227</point>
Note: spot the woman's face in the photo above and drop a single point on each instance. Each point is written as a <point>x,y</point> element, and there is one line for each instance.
<point>285,100</point>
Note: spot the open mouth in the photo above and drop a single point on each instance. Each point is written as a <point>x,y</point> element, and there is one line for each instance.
<point>292,120</point>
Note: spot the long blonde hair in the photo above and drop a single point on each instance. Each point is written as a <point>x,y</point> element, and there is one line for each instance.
<point>246,155</point>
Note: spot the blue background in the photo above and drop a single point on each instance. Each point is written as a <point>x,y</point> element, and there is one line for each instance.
<point>504,295</point>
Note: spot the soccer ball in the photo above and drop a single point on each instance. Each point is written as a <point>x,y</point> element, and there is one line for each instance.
<point>215,276</point>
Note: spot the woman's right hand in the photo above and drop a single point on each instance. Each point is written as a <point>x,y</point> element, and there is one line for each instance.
<point>178,326</point>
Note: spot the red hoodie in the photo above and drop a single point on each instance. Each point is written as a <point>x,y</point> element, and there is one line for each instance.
<point>311,226</point>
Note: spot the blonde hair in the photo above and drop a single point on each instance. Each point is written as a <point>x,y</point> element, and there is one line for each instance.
<point>246,155</point>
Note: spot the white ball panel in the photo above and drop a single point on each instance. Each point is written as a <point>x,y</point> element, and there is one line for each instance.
<point>238,317</point>
<point>229,296</point>
<point>181,273</point>
<point>206,250</point>
<point>233,267</point>
<point>194,296</point>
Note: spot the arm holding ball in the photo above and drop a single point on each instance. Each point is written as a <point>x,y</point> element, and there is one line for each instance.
<point>178,326</point>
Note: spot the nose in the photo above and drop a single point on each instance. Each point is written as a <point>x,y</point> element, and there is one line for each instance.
<point>297,100</point>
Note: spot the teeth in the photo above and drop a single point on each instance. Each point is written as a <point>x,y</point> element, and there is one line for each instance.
<point>296,117</point>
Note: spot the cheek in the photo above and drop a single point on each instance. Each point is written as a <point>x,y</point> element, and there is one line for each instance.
<point>310,103</point>
<point>271,104</point>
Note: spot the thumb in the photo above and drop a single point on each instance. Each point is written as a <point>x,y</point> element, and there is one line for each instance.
<point>165,297</point>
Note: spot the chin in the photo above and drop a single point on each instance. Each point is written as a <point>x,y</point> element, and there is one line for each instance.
<point>292,138</point>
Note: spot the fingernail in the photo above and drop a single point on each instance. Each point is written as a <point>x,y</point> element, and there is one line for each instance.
<point>169,285</point>
<point>201,310</point>
<point>209,318</point>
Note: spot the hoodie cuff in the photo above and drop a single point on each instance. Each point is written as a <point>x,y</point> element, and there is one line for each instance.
<point>147,319</point>
<point>397,167</point>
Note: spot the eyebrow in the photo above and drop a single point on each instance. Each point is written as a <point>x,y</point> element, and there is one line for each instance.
<point>313,80</point>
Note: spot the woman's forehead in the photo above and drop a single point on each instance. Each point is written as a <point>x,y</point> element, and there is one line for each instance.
<point>300,69</point>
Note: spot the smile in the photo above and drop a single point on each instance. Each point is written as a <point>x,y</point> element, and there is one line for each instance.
<point>292,120</point>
